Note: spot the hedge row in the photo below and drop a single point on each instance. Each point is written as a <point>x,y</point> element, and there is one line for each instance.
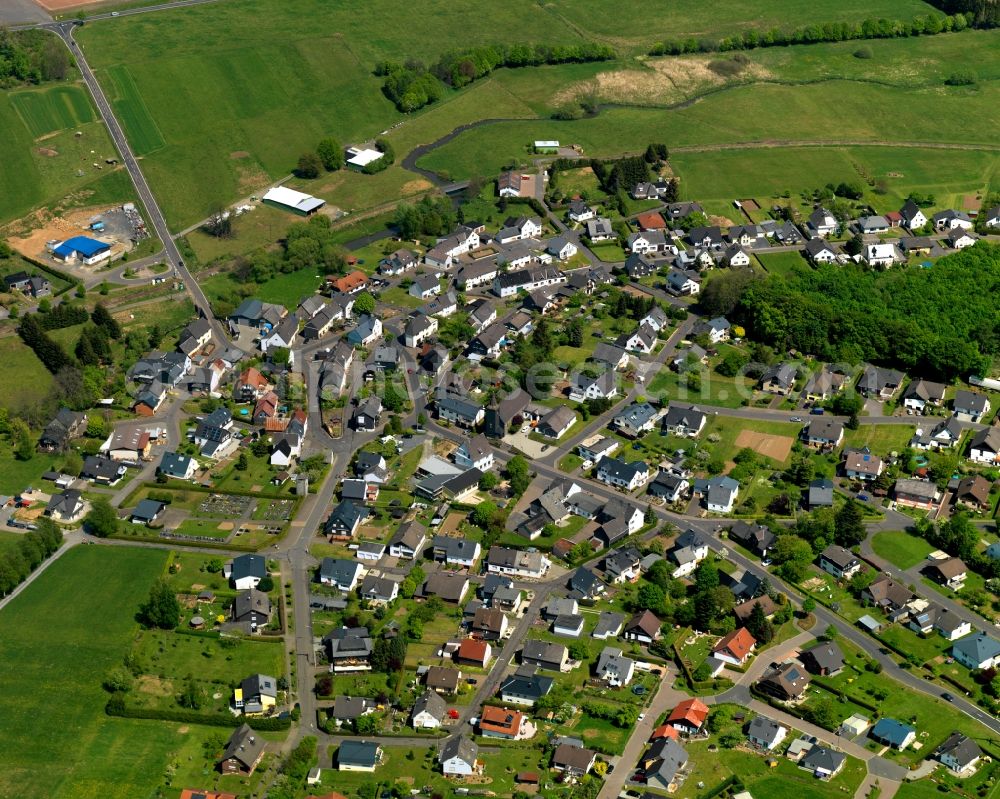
<point>116,707</point>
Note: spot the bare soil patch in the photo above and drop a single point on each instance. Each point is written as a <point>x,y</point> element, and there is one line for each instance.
<point>48,152</point>
<point>750,204</point>
<point>237,154</point>
<point>29,235</point>
<point>766,444</point>
<point>721,221</point>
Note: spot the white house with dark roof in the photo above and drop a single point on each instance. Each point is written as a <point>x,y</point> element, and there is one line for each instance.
<point>621,474</point>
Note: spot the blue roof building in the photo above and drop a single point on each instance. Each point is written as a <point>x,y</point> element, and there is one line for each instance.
<point>892,733</point>
<point>86,249</point>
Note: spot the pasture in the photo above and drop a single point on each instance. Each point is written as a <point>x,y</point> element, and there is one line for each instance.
<point>44,161</point>
<point>55,709</point>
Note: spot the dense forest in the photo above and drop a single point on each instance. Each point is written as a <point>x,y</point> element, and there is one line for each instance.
<point>941,322</point>
<point>32,56</point>
<point>984,13</point>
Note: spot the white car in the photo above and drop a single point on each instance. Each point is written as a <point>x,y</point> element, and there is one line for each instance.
<point>587,465</point>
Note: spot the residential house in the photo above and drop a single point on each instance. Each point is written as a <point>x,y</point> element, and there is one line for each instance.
<point>689,716</point>
<point>482,314</point>
<point>408,541</point>
<point>397,263</point>
<point>949,572</point>
<point>349,649</point>
<point>824,660</point>
<point>490,624</point>
<point>446,586</point>
<point>977,651</point>
<point>245,571</point>
<point>458,411</point>
<point>642,340</point>
<point>764,733</point>
<point>66,426</point>
<point>984,446</point>
<point>959,240</point>
<point>252,609</point>
<point>870,225</point>
<point>959,753</point>
<point>880,384</point>
<point>517,563</point>
<point>779,379</point>
<point>257,695</point>
<point>862,465</point>
<point>459,757</point>
<point>839,562</point>
<point>366,415</point>
<point>661,764</point>
<point>689,549</point>
<point>474,652</point>
<point>916,493</point>
<point>735,648</point>
<point>952,220</point>
<point>443,680</point>
<point>379,590</point>
<point>610,355</point>
<point>418,329</point>
<point>545,655</point>
<point>366,332</point>
<point>682,420</point>
<point>354,755</point>
<point>887,594</point>
<point>820,251</point>
<point>913,217</point>
<point>428,711</point>
<point>920,393</point>
<point>619,473</point>
<point>596,447</point>
<point>643,628</point>
<point>718,493</point>
<point>735,256</point>
<point>102,471</point>
<point>497,722</point>
<point>668,486</point>
<point>557,422</point>
<point>573,761</point>
<point>599,229</point>
<point>636,419</point>
<point>614,668</point>
<point>683,282</point>
<point>585,387</point>
<point>579,211</point>
<point>822,223</point>
<point>243,752</point>
<point>973,492</point>
<point>970,406</point>
<point>882,254</point>
<point>455,551</point>
<point>622,565</point>
<point>786,681</point>
<point>340,573</point>
<point>67,506</point>
<point>717,329</point>
<point>638,265</point>
<point>823,762</point>
<point>753,536</point>
<point>892,733</point>
<point>820,494</point>
<point>345,519</point>
<point>525,686</point>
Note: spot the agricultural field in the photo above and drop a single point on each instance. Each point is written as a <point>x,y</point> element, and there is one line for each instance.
<point>50,140</point>
<point>55,713</point>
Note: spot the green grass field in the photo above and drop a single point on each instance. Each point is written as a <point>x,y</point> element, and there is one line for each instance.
<point>782,263</point>
<point>48,110</point>
<point>57,742</point>
<point>901,549</point>
<point>33,380</point>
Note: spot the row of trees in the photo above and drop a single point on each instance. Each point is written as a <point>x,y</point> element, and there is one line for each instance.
<point>983,13</point>
<point>939,323</point>
<point>431,216</point>
<point>871,28</point>
<point>413,85</point>
<point>17,562</point>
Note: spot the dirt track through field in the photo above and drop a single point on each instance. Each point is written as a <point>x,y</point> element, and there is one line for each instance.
<point>770,446</point>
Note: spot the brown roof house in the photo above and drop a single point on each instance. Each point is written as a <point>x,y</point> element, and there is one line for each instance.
<point>950,572</point>
<point>644,628</point>
<point>243,752</point>
<point>572,760</point>
<point>973,492</point>
<point>786,681</point>
<point>889,595</point>
<point>443,680</point>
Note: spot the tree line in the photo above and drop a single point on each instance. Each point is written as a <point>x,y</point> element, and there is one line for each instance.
<point>816,33</point>
<point>983,13</point>
<point>940,322</point>
<point>17,562</point>
<point>32,56</point>
<point>413,85</point>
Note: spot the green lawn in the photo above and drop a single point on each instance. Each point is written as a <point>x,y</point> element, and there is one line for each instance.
<point>900,548</point>
<point>881,439</point>
<point>16,475</point>
<point>57,742</point>
<point>782,263</point>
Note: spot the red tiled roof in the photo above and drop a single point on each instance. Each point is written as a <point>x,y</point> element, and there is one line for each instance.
<point>665,731</point>
<point>739,643</point>
<point>471,649</point>
<point>350,281</point>
<point>651,221</point>
<point>693,711</point>
<point>498,719</point>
